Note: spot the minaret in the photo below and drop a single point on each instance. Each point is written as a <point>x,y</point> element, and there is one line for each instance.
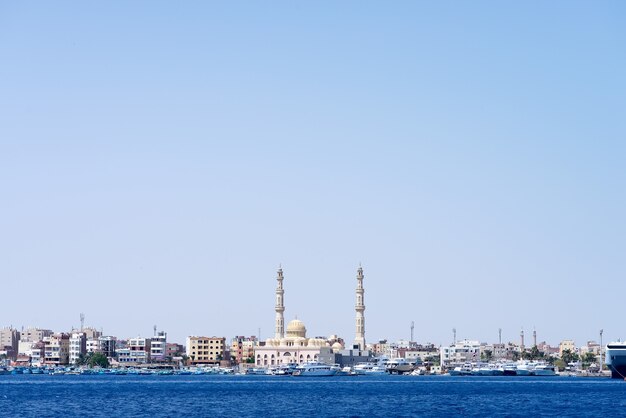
<point>360,308</point>
<point>522,337</point>
<point>534,337</point>
<point>280,306</point>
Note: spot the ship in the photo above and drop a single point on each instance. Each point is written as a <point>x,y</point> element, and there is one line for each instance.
<point>616,359</point>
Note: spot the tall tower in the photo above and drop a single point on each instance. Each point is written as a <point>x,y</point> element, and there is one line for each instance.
<point>534,337</point>
<point>280,306</point>
<point>522,338</point>
<point>360,309</point>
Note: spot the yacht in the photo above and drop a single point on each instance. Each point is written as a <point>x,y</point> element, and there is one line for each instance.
<point>543,369</point>
<point>369,369</point>
<point>399,366</point>
<point>315,369</point>
<point>509,369</point>
<point>616,359</point>
<point>257,371</point>
<point>524,369</point>
<point>464,370</point>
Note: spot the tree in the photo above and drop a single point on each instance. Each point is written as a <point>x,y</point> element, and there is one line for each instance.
<point>560,364</point>
<point>569,357</point>
<point>98,360</point>
<point>589,358</point>
<point>534,353</point>
<point>486,355</point>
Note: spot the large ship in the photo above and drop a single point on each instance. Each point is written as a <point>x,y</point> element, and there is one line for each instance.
<point>616,359</point>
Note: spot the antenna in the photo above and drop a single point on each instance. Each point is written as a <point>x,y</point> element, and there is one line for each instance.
<point>454,335</point>
<point>412,328</point>
<point>259,334</point>
<point>154,330</point>
<point>499,335</point>
<point>82,322</point>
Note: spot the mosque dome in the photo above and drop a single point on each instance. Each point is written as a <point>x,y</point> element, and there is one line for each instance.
<point>337,346</point>
<point>296,328</point>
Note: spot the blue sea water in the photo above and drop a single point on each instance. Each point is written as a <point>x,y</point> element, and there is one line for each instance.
<point>99,396</point>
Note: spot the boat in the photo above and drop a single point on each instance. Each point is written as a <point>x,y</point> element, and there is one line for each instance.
<point>509,369</point>
<point>257,371</point>
<point>315,369</point>
<point>399,366</point>
<point>524,369</point>
<point>543,369</point>
<point>464,370</point>
<point>616,359</point>
<point>369,369</point>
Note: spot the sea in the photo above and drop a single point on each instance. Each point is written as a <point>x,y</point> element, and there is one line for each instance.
<point>286,396</point>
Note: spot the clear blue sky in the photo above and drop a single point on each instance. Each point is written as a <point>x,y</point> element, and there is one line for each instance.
<point>159,160</point>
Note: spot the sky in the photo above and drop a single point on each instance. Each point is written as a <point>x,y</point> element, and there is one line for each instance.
<point>159,161</point>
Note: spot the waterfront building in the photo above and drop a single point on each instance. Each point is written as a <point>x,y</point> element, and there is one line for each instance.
<point>37,353</point>
<point>460,352</point>
<point>57,349</point>
<point>92,345</point>
<point>418,353</point>
<point>78,346</point>
<point>91,333</point>
<point>205,350</point>
<point>107,345</point>
<point>292,348</point>
<point>174,350</point>
<point>591,347</point>
<point>547,349</point>
<point>383,348</point>
<point>34,334</point>
<point>242,349</point>
<point>24,348</point>
<point>139,349</point>
<point>9,342</point>
<point>567,345</point>
<point>135,351</point>
<point>158,344</point>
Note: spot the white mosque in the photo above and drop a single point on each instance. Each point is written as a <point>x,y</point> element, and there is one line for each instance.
<point>294,347</point>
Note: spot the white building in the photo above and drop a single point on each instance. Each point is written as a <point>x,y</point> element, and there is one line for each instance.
<point>137,351</point>
<point>460,352</point>
<point>158,344</point>
<point>78,346</point>
<point>92,345</point>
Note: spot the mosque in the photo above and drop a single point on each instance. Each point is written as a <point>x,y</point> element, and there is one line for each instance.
<point>294,347</point>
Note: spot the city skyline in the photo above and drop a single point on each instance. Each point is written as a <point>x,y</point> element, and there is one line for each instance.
<point>158,162</point>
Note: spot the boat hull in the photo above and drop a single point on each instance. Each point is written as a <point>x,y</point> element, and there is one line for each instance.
<point>616,359</point>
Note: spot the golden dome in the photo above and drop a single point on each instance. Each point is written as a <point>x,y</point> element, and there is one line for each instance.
<point>296,328</point>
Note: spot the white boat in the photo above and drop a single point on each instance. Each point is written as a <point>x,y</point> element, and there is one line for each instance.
<point>257,371</point>
<point>315,369</point>
<point>464,370</point>
<point>542,369</point>
<point>616,359</point>
<point>524,369</point>
<point>399,366</point>
<point>369,369</point>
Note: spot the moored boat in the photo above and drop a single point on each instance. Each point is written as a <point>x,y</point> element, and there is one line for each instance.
<point>542,369</point>
<point>315,369</point>
<point>616,359</point>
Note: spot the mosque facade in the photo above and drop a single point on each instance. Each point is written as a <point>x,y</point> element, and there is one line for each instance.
<point>293,346</point>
